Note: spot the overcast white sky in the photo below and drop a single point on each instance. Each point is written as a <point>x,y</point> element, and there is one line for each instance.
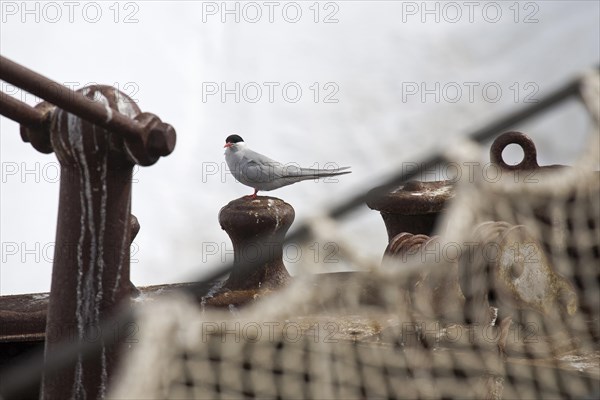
<point>370,84</point>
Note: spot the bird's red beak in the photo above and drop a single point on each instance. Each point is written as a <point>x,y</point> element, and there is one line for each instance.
<point>228,144</point>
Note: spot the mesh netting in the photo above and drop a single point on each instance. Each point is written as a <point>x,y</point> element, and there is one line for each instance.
<point>503,302</point>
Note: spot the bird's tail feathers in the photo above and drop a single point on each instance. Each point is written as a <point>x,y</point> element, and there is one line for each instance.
<point>323,173</point>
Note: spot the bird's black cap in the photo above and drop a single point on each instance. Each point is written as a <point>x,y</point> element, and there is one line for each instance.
<point>234,139</point>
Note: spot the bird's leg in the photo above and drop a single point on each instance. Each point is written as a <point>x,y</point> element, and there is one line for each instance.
<point>252,196</point>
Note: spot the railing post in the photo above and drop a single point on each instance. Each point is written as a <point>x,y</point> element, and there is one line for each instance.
<point>90,275</point>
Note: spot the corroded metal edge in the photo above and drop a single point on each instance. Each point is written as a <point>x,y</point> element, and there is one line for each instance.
<point>413,198</point>
<point>23,316</point>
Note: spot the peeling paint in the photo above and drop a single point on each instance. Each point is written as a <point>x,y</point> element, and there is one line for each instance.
<point>125,105</point>
<point>212,291</point>
<point>125,243</point>
<point>95,157</point>
<point>100,98</point>
<point>40,297</point>
<point>89,297</point>
<point>83,289</point>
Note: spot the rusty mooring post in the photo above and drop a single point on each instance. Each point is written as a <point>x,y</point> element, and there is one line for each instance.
<point>90,274</point>
<point>414,207</point>
<point>257,229</point>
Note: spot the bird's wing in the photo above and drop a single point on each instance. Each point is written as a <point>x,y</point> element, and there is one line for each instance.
<point>274,169</point>
<point>252,156</point>
<point>259,164</point>
<point>261,167</point>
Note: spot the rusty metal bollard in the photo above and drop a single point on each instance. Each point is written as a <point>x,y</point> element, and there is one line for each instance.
<point>257,229</point>
<point>90,275</point>
<point>414,207</point>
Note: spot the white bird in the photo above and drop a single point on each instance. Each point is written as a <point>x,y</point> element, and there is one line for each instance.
<point>262,173</point>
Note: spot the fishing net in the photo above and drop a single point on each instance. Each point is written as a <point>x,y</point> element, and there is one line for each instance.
<point>503,302</point>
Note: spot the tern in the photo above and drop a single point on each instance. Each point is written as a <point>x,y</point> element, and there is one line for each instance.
<point>262,173</point>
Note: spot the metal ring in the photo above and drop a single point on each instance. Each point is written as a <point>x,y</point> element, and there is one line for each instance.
<point>529,151</point>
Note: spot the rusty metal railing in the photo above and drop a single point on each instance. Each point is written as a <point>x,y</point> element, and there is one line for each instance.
<point>144,134</point>
<point>98,135</point>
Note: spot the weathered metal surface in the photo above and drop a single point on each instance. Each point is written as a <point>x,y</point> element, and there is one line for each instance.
<point>90,275</point>
<point>257,228</point>
<point>529,151</point>
<point>23,325</point>
<point>529,161</point>
<point>23,317</point>
<point>23,113</point>
<point>91,262</point>
<point>148,138</point>
<point>405,244</point>
<point>38,134</point>
<point>414,207</point>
